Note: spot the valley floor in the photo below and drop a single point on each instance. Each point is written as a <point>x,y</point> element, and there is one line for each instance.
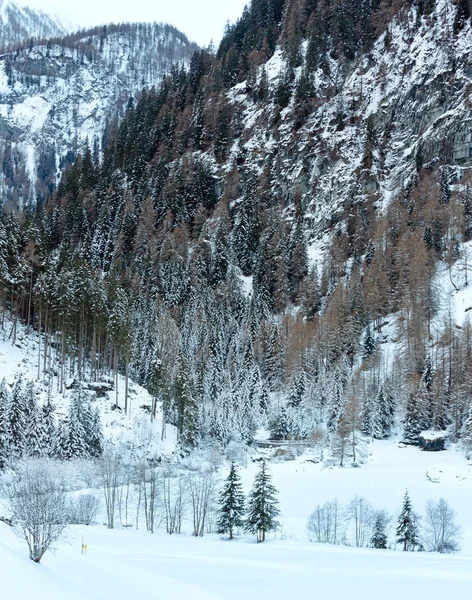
<point>134,565</point>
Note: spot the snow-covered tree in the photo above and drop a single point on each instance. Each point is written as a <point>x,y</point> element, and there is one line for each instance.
<point>231,504</point>
<point>379,534</point>
<point>36,432</point>
<point>413,424</point>
<point>4,425</point>
<point>17,419</point>
<point>407,526</point>
<point>262,511</point>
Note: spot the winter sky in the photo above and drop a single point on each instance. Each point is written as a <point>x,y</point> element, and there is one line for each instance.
<point>201,20</point>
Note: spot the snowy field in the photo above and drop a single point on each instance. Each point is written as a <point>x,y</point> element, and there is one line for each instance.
<point>135,565</point>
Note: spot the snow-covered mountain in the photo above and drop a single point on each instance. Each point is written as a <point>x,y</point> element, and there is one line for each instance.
<point>20,23</point>
<point>56,95</point>
<point>359,129</point>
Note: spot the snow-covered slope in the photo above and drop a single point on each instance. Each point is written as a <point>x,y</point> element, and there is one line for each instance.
<point>21,23</point>
<point>375,118</point>
<point>135,427</point>
<point>57,95</point>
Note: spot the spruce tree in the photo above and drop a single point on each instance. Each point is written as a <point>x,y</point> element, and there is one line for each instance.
<point>407,529</point>
<point>384,413</point>
<point>36,433</point>
<point>368,343</point>
<point>17,419</point>
<point>379,536</point>
<point>262,511</point>
<point>95,436</point>
<point>413,422</point>
<point>231,510</point>
<point>4,426</point>
<point>280,425</point>
<point>49,424</point>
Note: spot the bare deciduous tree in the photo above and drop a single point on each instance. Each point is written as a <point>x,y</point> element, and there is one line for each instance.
<point>441,532</point>
<point>110,474</point>
<point>84,509</point>
<point>174,500</point>
<point>361,514</point>
<point>325,524</point>
<point>202,494</point>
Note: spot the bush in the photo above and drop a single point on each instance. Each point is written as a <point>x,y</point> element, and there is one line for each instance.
<point>83,510</point>
<point>39,508</point>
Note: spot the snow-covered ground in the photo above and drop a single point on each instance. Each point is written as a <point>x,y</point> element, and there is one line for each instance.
<point>22,358</point>
<point>135,565</point>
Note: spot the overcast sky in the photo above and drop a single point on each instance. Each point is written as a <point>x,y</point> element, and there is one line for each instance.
<point>201,20</point>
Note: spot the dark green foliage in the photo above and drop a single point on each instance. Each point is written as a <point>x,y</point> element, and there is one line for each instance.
<point>407,528</point>
<point>413,425</point>
<point>368,343</point>
<point>257,29</point>
<point>231,504</point>
<point>262,511</point>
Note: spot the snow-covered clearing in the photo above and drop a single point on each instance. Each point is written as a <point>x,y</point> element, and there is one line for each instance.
<point>135,565</point>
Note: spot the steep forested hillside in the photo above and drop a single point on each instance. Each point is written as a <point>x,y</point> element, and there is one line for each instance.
<point>63,93</point>
<point>277,237</point>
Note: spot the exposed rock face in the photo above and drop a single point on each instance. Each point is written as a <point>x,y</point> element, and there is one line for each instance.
<point>376,119</point>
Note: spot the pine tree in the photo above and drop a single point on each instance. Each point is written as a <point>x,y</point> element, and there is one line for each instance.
<point>36,433</point>
<point>407,529</point>
<point>384,413</point>
<point>70,441</point>
<point>95,435</point>
<point>280,425</point>
<point>262,511</point>
<point>379,535</point>
<point>368,343</point>
<point>297,390</point>
<point>231,511</point>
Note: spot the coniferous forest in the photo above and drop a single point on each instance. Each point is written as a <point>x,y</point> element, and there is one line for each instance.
<point>173,253</point>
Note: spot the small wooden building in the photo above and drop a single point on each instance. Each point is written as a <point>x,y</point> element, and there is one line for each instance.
<point>433,441</point>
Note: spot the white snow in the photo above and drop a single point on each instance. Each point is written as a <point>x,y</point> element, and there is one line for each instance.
<point>125,564</point>
<point>431,435</point>
<point>133,565</point>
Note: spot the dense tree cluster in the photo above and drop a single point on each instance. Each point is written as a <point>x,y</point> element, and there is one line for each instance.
<point>30,429</point>
<point>163,256</point>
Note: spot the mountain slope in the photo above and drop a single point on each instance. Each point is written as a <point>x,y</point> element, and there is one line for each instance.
<point>57,95</point>
<point>21,23</point>
<point>273,239</point>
